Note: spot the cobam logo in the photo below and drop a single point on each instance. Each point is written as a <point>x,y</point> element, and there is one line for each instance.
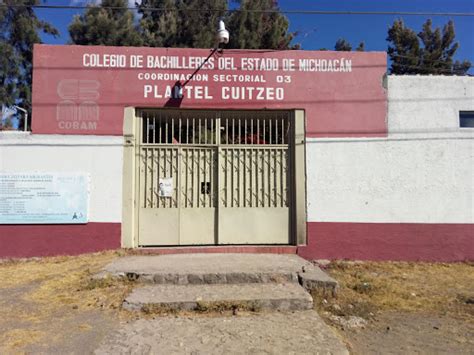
<point>78,109</point>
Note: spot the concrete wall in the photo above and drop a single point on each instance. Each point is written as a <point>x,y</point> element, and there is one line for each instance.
<point>428,104</point>
<point>407,196</point>
<point>99,156</point>
<point>397,180</point>
<point>422,173</point>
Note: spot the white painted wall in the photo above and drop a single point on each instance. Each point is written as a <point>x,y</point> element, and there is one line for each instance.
<point>421,173</point>
<point>100,156</point>
<point>428,104</point>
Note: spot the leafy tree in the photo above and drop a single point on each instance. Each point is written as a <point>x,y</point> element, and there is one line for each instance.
<point>108,27</point>
<point>9,72</point>
<point>360,47</point>
<point>428,52</point>
<point>19,27</point>
<point>439,49</point>
<point>461,68</point>
<point>159,28</point>
<point>343,45</point>
<point>404,50</point>
<point>182,23</point>
<point>253,29</point>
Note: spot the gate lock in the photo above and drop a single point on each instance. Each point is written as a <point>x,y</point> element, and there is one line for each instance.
<point>205,188</point>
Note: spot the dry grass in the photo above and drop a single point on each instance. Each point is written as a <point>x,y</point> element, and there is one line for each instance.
<point>369,287</point>
<point>43,295</point>
<point>53,289</point>
<point>204,308</point>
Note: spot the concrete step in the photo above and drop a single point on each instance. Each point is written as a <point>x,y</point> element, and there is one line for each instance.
<point>219,297</point>
<point>183,269</point>
<point>208,269</point>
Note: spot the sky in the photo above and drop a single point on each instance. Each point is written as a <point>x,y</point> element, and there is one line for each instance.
<point>322,31</point>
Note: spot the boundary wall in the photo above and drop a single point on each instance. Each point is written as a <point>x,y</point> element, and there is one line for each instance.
<point>406,196</point>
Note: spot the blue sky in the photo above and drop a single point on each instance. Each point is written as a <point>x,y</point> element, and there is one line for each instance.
<point>322,31</point>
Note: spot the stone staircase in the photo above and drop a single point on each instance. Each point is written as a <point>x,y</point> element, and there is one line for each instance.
<point>218,282</point>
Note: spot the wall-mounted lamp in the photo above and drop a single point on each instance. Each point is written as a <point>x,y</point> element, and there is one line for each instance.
<point>222,34</point>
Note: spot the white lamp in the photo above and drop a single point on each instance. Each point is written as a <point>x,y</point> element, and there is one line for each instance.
<point>222,33</point>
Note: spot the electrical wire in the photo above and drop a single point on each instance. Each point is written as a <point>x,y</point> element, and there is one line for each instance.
<point>301,12</point>
<point>291,12</point>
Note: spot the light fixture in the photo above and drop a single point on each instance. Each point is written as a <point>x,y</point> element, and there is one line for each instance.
<point>222,36</point>
<point>222,33</point>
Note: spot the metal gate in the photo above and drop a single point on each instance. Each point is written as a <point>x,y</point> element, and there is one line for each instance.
<point>209,177</point>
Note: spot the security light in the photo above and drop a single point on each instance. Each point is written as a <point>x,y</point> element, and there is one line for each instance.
<point>222,36</point>
<point>222,33</point>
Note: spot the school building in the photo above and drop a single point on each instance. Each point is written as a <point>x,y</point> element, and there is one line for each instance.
<point>172,150</point>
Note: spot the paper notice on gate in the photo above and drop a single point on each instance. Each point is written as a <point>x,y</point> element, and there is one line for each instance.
<point>166,187</point>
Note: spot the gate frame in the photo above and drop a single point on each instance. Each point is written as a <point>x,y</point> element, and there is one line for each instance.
<point>130,179</point>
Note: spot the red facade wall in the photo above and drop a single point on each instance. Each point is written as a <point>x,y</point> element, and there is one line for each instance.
<point>359,241</point>
<point>389,241</point>
<point>84,89</point>
<point>24,241</point>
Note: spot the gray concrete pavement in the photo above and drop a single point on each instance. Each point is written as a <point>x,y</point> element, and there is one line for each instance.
<point>264,333</point>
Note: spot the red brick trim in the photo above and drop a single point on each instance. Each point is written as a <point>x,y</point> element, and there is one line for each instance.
<point>23,241</point>
<point>389,241</point>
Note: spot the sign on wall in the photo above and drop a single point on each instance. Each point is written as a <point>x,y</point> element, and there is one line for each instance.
<point>44,198</point>
<point>166,187</point>
<point>86,91</point>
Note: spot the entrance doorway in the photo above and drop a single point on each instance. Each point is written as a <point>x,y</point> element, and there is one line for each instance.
<point>214,177</point>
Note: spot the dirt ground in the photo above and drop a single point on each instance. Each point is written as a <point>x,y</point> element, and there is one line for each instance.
<point>400,308</point>
<point>298,332</point>
<point>50,305</point>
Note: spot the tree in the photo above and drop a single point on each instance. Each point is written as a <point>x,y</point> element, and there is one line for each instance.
<point>9,72</point>
<point>19,31</point>
<point>404,50</point>
<point>100,25</point>
<point>428,52</point>
<point>461,68</point>
<point>181,23</point>
<point>360,47</point>
<point>253,28</point>
<point>342,45</point>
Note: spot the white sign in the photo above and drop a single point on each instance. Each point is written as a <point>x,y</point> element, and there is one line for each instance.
<point>166,187</point>
<point>44,198</point>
